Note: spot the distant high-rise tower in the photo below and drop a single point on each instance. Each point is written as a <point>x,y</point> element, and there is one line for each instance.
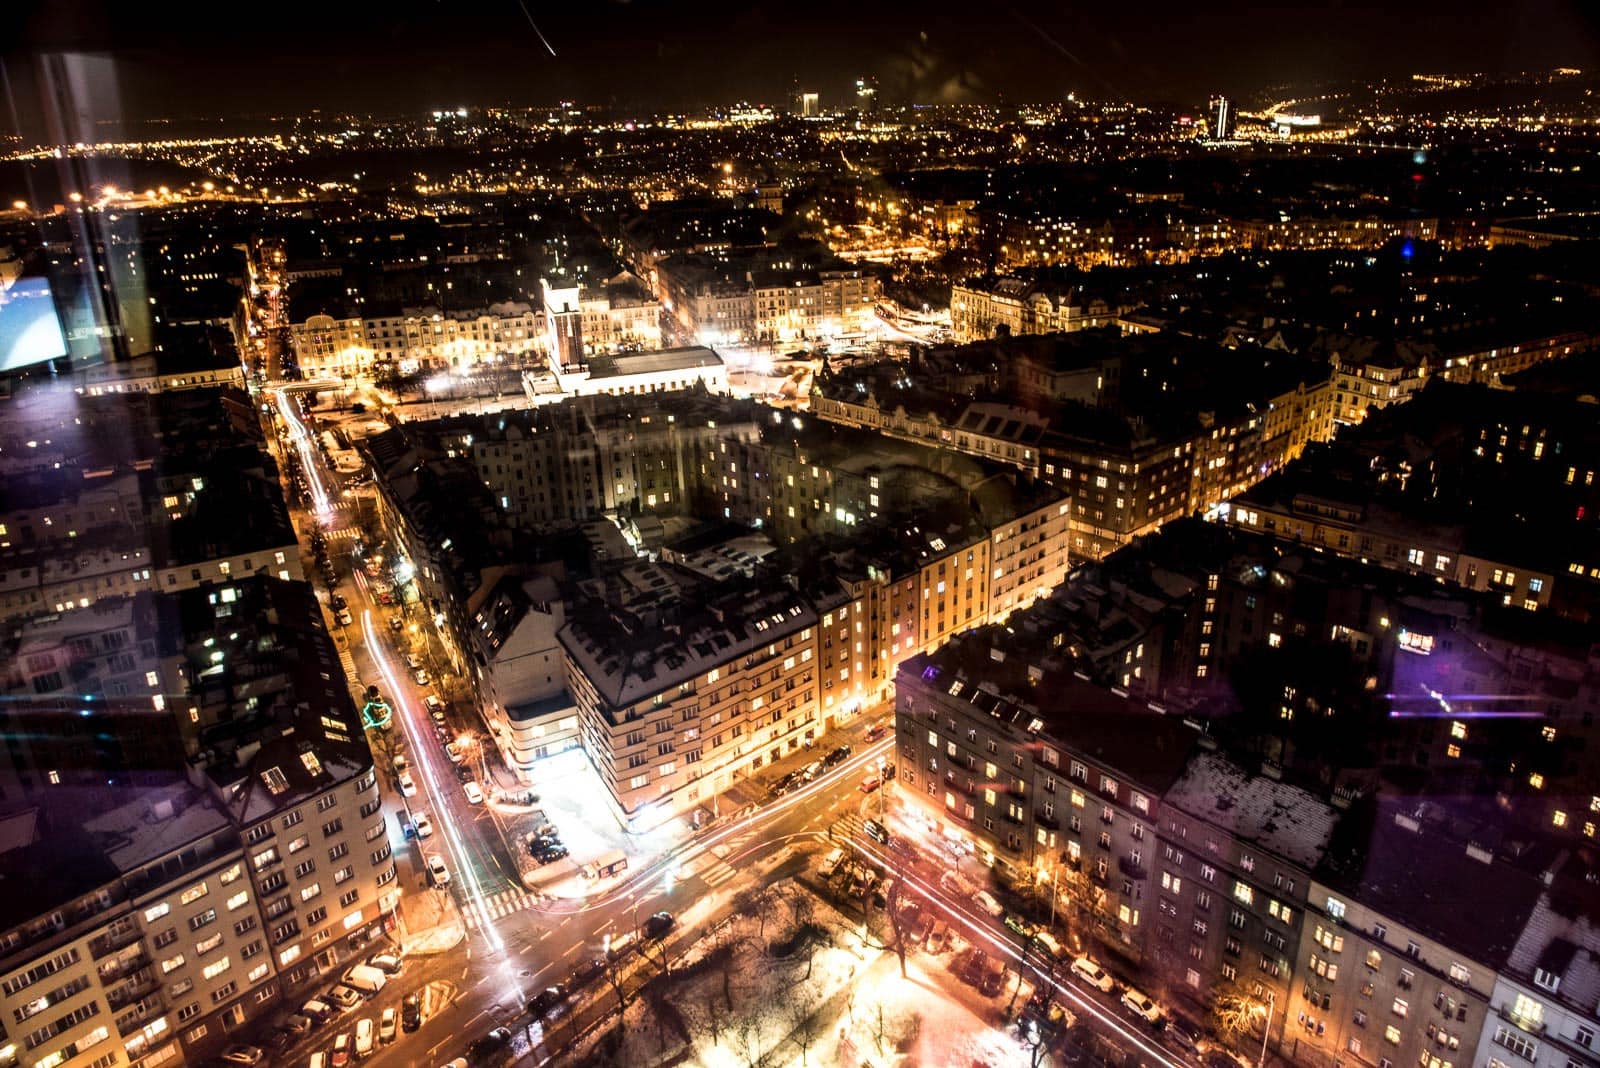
<point>810,105</point>
<point>867,95</point>
<point>1220,116</point>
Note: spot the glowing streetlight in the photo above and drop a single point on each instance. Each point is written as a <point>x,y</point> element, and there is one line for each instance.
<point>76,198</point>
<point>20,205</point>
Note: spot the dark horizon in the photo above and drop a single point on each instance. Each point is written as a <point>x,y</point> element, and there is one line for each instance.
<point>183,61</point>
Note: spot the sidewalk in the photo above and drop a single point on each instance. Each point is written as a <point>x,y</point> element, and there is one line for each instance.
<point>430,923</point>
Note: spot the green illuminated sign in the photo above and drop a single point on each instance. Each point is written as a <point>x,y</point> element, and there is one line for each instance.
<point>376,715</point>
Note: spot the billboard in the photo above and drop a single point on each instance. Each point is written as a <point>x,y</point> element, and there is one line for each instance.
<point>30,329</point>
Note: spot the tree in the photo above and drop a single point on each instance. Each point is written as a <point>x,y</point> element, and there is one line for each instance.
<point>757,902</point>
<point>1235,1016</point>
<point>803,1020</point>
<point>896,924</point>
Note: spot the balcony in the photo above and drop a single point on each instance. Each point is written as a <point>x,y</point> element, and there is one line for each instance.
<point>1132,870</point>
<point>136,986</point>
<point>114,939</point>
<point>1051,822</point>
<point>1533,1027</point>
<point>121,967</point>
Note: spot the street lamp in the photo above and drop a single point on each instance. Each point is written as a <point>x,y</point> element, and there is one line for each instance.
<point>1266,1032</point>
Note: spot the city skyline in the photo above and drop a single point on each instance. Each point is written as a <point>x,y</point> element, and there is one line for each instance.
<point>176,62</point>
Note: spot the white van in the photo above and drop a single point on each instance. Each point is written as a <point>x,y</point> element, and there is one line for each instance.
<point>830,863</point>
<point>607,864</point>
<point>319,1059</point>
<point>366,978</point>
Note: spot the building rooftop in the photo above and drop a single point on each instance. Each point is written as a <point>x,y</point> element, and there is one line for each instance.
<point>649,363</point>
<point>1279,817</point>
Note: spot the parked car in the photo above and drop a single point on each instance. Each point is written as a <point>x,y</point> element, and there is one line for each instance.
<point>408,785</point>
<point>434,706</point>
<point>835,755</point>
<point>782,786</point>
<point>345,618</point>
<point>338,602</point>
<point>547,999</point>
<point>586,973</point>
<point>499,1038</point>
<point>298,1025</point>
<point>318,1010</point>
<point>473,791</point>
<point>388,1025</point>
<point>1093,974</point>
<point>812,770</point>
<point>455,752</point>
<point>420,677</point>
<point>341,1050</point>
<point>437,871</point>
<point>422,824</point>
<point>830,863</point>
<point>345,997</point>
<point>985,901</point>
<point>871,783</point>
<point>1141,1005</point>
<point>366,1037</point>
<point>1020,926</point>
<point>411,1013</point>
<point>388,963</point>
<point>877,832</point>
<point>548,854</point>
<point>657,926</point>
<point>246,1055</point>
<point>396,624</point>
<point>876,731</point>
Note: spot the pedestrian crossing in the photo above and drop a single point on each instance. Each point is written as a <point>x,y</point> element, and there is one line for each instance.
<point>718,872</point>
<point>348,662</point>
<point>495,906</point>
<point>342,532</point>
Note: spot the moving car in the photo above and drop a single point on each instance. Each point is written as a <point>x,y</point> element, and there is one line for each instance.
<point>437,870</point>
<point>871,783</point>
<point>657,926</point>
<point>422,824</point>
<point>388,1024</point>
<point>1141,1005</point>
<point>1091,973</point>
<point>411,1013</point>
<point>877,832</point>
<point>473,791</point>
<point>246,1055</point>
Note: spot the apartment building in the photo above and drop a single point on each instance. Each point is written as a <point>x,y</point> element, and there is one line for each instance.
<point>1012,306</point>
<point>413,339</point>
<point>1399,963</point>
<point>1543,1011</point>
<point>683,689</point>
<point>1237,849</point>
<point>801,305</point>
<point>1049,780</point>
<point>123,932</point>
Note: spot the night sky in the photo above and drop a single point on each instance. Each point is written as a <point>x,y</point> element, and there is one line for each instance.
<point>181,59</point>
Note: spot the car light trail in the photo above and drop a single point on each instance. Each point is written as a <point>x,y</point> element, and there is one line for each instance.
<point>308,459</point>
<point>426,761</point>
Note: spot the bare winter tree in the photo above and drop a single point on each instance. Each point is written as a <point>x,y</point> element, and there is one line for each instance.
<point>756,902</point>
<point>896,927</point>
<point>803,1021</point>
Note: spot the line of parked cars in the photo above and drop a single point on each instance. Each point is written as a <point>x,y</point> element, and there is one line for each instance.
<point>359,983</point>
